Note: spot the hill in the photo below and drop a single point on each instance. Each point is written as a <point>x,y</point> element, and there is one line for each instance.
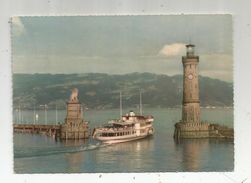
<point>102,90</point>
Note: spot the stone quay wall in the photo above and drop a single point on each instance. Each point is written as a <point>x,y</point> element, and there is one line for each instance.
<point>74,131</point>
<point>191,130</point>
<point>202,130</point>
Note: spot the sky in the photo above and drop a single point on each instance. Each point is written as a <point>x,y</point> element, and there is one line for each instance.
<point>122,44</point>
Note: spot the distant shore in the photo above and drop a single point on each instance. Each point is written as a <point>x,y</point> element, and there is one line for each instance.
<point>135,108</point>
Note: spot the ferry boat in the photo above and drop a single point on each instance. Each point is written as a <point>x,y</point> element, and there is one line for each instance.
<point>129,127</point>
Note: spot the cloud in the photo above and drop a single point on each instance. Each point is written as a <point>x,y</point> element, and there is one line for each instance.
<point>17,26</point>
<point>172,50</point>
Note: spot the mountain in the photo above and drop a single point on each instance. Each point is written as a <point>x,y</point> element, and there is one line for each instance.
<point>102,90</point>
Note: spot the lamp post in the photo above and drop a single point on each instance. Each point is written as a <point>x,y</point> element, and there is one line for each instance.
<point>22,114</point>
<point>45,112</point>
<point>56,114</point>
<point>36,118</point>
<point>16,116</point>
<point>34,114</point>
<point>19,114</point>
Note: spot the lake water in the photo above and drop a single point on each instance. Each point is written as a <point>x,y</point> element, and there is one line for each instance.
<point>160,153</point>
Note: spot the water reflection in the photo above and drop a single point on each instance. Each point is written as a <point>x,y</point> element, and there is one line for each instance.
<point>74,143</point>
<point>130,156</point>
<point>195,152</point>
<point>74,160</point>
<point>191,154</point>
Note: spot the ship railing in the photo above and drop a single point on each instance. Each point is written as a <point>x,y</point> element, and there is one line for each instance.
<point>114,129</point>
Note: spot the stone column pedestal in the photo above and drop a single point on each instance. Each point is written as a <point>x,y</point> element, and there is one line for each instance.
<point>74,127</point>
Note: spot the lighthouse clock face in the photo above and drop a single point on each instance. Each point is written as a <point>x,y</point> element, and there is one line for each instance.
<point>190,76</point>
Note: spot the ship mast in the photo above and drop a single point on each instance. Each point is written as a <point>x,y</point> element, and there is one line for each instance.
<point>120,104</point>
<point>140,102</point>
<point>56,114</point>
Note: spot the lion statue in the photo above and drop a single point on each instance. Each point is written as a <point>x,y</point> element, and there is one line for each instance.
<point>74,95</point>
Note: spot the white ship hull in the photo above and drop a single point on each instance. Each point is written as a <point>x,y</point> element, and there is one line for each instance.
<point>109,140</point>
<point>124,138</point>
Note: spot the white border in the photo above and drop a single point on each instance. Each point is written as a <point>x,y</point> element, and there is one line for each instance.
<point>242,89</point>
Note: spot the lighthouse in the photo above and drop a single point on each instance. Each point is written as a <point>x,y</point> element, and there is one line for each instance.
<point>191,100</point>
<point>190,125</point>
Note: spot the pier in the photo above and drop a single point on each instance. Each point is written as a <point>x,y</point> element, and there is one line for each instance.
<point>50,130</point>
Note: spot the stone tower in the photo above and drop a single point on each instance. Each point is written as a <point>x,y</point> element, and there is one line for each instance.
<point>191,126</point>
<point>74,112</point>
<point>191,100</point>
<point>74,127</point>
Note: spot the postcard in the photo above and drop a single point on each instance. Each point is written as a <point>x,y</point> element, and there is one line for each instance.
<point>122,94</point>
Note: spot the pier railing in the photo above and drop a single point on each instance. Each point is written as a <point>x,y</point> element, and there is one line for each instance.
<point>51,130</point>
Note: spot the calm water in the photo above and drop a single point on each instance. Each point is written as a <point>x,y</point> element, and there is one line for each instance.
<point>42,154</point>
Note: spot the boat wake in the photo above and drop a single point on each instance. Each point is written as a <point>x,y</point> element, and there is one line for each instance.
<point>65,150</point>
